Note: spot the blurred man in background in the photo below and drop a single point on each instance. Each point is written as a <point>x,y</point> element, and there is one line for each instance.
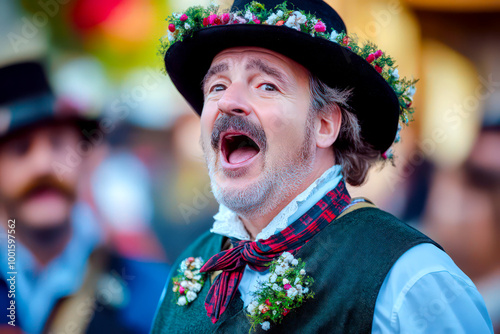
<point>463,214</point>
<point>60,274</point>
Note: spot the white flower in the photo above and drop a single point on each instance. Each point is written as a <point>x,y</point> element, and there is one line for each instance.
<point>171,38</point>
<point>182,301</point>
<point>285,281</point>
<point>251,307</point>
<point>293,23</point>
<point>297,280</point>
<point>187,26</point>
<point>333,36</point>
<point>196,287</point>
<point>302,272</point>
<point>295,262</point>
<point>261,307</point>
<point>188,274</point>
<point>240,19</point>
<point>273,278</point>
<point>184,284</point>
<point>191,296</point>
<point>411,91</point>
<point>298,287</point>
<point>266,325</point>
<point>276,287</point>
<point>279,13</point>
<point>287,257</point>
<point>274,312</point>
<point>197,277</point>
<point>306,290</point>
<point>280,270</point>
<point>300,18</point>
<point>198,262</point>
<point>271,20</point>
<point>249,16</point>
<point>177,15</point>
<point>395,74</point>
<point>291,293</point>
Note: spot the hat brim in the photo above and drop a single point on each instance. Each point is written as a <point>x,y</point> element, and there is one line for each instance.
<point>373,100</point>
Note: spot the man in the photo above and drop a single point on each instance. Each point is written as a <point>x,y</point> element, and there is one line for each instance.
<point>57,275</point>
<point>292,107</point>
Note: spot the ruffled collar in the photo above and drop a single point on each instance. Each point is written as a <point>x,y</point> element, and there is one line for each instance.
<point>227,222</point>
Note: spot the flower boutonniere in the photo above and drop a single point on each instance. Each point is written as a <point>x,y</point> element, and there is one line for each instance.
<point>286,289</point>
<point>189,281</point>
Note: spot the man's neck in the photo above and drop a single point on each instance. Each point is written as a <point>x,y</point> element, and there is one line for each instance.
<point>255,223</point>
<point>47,243</point>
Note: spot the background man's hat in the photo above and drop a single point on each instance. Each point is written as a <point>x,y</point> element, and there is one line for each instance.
<point>26,99</point>
<point>374,100</point>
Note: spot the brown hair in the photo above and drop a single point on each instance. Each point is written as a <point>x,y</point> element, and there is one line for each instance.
<point>354,154</point>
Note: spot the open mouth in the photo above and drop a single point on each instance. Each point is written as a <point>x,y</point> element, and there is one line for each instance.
<point>238,148</point>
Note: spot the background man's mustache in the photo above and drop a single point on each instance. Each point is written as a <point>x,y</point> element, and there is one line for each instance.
<point>238,123</point>
<point>46,182</point>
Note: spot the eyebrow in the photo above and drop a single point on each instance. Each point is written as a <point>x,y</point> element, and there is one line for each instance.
<point>263,67</point>
<point>214,70</point>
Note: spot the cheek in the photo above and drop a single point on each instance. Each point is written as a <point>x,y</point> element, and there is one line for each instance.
<point>285,126</point>
<point>12,177</point>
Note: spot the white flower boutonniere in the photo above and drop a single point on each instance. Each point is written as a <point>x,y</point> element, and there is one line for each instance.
<point>189,282</point>
<point>287,288</point>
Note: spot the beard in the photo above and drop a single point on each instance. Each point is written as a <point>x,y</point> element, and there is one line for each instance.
<point>281,177</point>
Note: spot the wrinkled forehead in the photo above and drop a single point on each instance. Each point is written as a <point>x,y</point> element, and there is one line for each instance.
<point>252,56</point>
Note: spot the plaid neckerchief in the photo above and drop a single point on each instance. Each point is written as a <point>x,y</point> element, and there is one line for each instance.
<point>258,254</point>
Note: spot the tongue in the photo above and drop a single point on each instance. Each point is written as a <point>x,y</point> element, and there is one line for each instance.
<point>242,154</point>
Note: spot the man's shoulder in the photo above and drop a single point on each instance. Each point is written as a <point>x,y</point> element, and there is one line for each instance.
<point>373,222</point>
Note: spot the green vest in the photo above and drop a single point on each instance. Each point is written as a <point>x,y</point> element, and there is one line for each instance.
<point>349,260</point>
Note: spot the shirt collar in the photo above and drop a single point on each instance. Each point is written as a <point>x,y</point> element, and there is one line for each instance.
<point>227,222</point>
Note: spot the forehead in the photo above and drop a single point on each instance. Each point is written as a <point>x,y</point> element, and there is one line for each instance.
<point>245,55</point>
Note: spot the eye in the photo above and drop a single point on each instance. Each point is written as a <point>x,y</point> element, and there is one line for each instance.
<point>268,87</point>
<point>217,88</point>
<point>19,146</point>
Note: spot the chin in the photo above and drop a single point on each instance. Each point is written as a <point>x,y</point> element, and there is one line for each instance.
<point>243,196</point>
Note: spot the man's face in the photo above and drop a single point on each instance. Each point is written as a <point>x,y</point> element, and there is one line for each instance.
<point>29,187</point>
<point>256,132</point>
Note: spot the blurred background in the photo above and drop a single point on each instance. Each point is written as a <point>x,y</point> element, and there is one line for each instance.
<point>148,185</point>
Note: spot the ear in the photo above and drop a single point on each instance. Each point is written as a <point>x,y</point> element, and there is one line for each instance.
<point>328,126</point>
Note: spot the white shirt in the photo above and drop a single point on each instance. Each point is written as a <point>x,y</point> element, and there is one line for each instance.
<point>424,292</point>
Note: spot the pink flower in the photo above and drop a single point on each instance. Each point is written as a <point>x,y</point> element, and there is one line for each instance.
<point>226,17</point>
<point>384,156</point>
<point>378,69</point>
<point>212,18</point>
<point>183,17</point>
<point>378,54</point>
<point>370,58</point>
<point>190,259</point>
<point>181,290</point>
<point>320,27</point>
<point>205,22</point>
<point>171,27</point>
<point>265,309</point>
<point>287,286</point>
<point>257,21</point>
<point>268,303</point>
<point>285,312</point>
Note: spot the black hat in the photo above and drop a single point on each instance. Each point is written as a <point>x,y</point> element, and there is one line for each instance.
<point>336,61</point>
<point>26,99</point>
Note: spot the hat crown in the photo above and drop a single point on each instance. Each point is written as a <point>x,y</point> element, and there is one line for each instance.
<point>318,8</point>
<point>22,80</point>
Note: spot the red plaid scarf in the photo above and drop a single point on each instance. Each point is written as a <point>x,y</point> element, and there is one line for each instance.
<point>258,254</point>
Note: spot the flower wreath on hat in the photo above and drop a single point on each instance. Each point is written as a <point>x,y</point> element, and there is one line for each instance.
<point>182,25</point>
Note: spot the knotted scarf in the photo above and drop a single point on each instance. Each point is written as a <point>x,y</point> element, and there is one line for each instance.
<point>258,254</point>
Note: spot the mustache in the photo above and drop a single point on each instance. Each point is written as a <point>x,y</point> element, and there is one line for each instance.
<point>43,183</point>
<point>238,123</point>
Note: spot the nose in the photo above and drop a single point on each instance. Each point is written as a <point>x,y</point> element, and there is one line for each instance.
<point>235,101</point>
<point>41,156</point>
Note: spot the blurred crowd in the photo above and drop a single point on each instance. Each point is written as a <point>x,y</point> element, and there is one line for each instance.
<point>103,179</point>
